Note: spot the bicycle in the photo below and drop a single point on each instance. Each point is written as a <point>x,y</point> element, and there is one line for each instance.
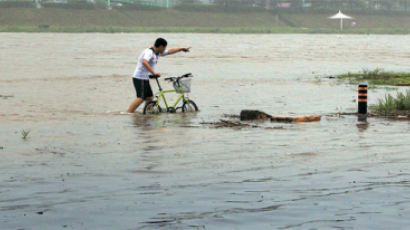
<point>181,85</point>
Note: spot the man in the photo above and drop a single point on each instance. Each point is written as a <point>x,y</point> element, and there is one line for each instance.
<point>146,67</point>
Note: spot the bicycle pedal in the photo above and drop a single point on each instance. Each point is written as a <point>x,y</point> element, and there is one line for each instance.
<point>172,110</point>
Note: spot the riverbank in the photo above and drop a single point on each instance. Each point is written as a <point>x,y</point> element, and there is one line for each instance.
<point>233,30</point>
<point>176,21</point>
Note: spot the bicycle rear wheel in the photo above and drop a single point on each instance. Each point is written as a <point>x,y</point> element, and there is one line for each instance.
<point>189,106</point>
<point>152,108</point>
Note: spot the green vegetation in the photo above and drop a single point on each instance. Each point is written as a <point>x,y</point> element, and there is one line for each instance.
<point>390,104</point>
<point>377,77</point>
<point>24,134</point>
<point>362,21</point>
<point>133,18</point>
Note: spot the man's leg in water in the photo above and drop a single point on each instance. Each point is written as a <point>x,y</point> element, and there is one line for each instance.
<point>148,99</point>
<point>134,104</point>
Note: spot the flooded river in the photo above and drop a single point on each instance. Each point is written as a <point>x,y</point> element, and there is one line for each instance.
<point>87,165</point>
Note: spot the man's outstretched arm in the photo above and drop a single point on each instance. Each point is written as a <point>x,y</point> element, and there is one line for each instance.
<point>177,50</point>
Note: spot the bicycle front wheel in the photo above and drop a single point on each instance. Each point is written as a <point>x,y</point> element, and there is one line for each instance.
<point>152,108</point>
<point>189,106</point>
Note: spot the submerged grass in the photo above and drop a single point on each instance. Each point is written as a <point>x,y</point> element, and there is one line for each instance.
<point>390,103</point>
<point>377,77</point>
<point>24,134</point>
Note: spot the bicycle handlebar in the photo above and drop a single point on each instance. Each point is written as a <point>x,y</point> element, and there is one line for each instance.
<point>175,78</point>
<point>172,79</point>
<point>153,76</point>
<point>186,75</point>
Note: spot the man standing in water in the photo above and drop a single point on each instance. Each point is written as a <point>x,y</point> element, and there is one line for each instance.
<point>146,67</point>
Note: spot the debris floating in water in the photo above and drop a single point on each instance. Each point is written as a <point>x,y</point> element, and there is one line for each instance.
<point>260,115</point>
<point>6,96</point>
<point>235,124</point>
<point>256,115</point>
<point>253,115</point>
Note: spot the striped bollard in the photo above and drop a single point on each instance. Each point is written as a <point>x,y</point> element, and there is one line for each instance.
<point>362,101</point>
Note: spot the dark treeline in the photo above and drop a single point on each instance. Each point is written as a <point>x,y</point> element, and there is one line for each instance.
<point>314,6</point>
<point>389,5</point>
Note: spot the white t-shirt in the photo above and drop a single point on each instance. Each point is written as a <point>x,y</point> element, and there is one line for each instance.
<point>148,54</point>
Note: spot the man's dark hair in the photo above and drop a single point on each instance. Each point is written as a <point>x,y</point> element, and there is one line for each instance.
<point>161,42</point>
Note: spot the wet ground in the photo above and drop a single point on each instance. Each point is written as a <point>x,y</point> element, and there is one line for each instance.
<point>86,165</point>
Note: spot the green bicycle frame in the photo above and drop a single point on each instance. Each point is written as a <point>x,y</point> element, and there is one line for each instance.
<point>162,96</point>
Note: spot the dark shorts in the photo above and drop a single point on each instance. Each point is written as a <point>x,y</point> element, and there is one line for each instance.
<point>142,87</point>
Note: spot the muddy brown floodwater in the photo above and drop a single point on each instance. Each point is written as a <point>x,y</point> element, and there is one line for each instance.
<point>85,165</point>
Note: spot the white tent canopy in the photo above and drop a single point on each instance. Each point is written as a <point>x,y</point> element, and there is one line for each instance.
<point>341,16</point>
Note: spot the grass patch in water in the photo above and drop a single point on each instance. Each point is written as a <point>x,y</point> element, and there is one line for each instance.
<point>377,77</point>
<point>24,134</point>
<point>398,104</point>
